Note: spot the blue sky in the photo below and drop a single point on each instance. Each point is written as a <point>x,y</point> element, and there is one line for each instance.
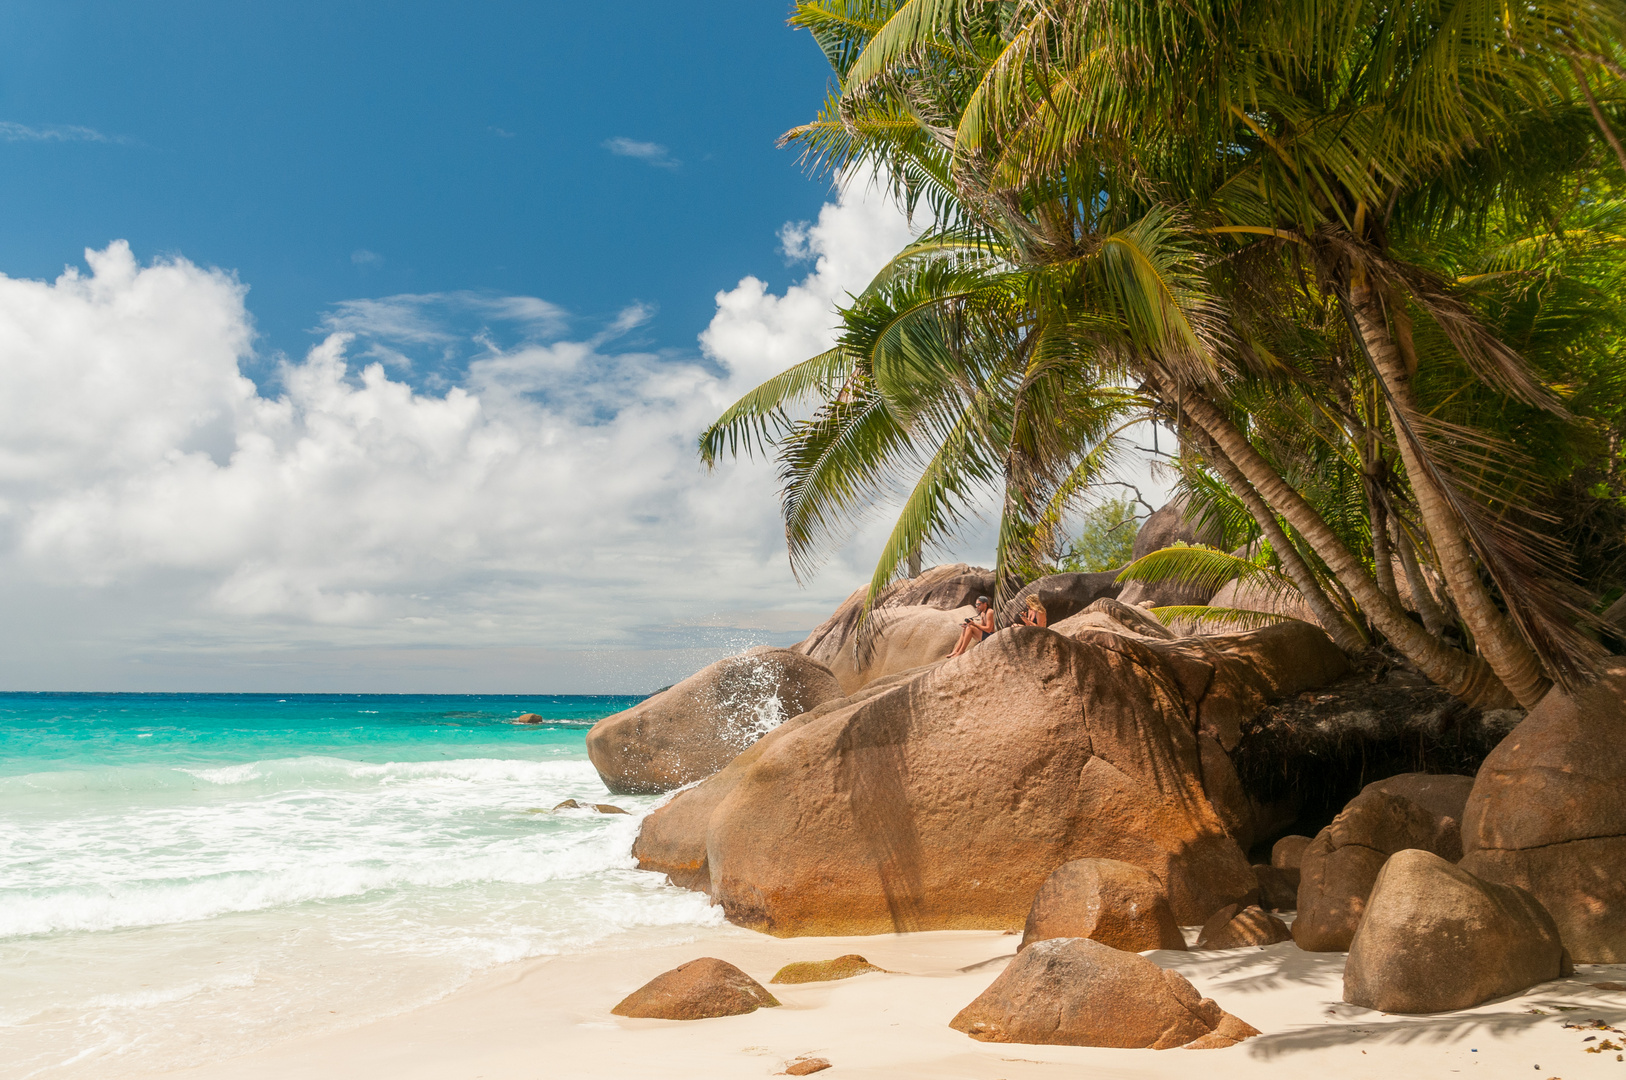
<point>596,155</point>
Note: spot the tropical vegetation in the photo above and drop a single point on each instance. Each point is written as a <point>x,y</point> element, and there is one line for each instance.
<point>1367,260</point>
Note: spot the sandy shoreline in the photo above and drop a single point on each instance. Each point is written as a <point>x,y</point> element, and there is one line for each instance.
<point>551,1017</point>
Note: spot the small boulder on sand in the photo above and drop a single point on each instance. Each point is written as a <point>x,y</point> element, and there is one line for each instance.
<point>1435,938</point>
<point>1343,861</point>
<point>807,1066</point>
<point>1232,927</point>
<point>694,991</point>
<point>1078,992</point>
<point>689,731</point>
<point>1115,903</point>
<point>842,967</point>
<point>1548,814</point>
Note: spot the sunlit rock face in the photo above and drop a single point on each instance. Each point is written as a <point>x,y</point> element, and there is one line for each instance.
<point>689,731</point>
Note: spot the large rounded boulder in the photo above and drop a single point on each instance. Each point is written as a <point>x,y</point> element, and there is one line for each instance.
<point>1063,595</point>
<point>1341,865</point>
<point>1435,938</point>
<point>691,730</point>
<point>945,802</point>
<point>1078,992</point>
<point>1548,814</point>
<point>1443,795</point>
<point>913,623</point>
<point>1115,903</point>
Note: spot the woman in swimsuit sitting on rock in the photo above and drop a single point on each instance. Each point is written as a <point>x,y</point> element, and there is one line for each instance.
<point>975,628</point>
<point>1035,615</point>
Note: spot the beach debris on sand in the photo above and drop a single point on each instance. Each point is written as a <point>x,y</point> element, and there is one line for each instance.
<point>806,1066</point>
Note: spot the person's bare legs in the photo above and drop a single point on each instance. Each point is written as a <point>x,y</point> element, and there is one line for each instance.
<point>967,638</point>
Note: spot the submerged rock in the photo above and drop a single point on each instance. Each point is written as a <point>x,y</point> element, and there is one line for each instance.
<point>691,730</point>
<point>1078,992</point>
<point>945,802</point>
<point>1435,938</point>
<point>1548,814</point>
<point>695,991</point>
<point>842,967</point>
<point>1112,902</point>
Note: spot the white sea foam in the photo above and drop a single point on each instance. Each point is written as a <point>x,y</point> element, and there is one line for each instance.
<point>147,912</point>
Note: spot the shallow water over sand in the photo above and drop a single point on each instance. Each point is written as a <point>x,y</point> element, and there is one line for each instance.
<point>185,877</point>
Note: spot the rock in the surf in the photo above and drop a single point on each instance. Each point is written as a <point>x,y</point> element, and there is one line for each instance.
<point>1115,903</point>
<point>1342,863</point>
<point>1548,814</point>
<point>1078,992</point>
<point>1235,927</point>
<point>946,800</point>
<point>528,718</point>
<point>695,991</point>
<point>1435,938</point>
<point>692,729</point>
<point>842,967</point>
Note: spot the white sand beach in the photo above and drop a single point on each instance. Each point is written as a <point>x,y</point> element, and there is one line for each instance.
<point>551,1018</point>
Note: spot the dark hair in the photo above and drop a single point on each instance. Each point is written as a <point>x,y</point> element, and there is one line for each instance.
<point>985,600</point>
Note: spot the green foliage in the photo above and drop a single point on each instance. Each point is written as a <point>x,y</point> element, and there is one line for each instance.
<point>1105,540</point>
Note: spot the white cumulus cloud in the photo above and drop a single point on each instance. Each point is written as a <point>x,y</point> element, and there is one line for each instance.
<point>543,524</point>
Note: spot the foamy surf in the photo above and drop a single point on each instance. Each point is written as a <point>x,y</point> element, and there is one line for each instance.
<point>162,904</point>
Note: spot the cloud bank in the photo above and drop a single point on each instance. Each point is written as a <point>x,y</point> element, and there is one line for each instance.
<point>530,516</point>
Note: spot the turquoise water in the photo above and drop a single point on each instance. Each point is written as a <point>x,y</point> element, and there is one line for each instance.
<point>188,876</point>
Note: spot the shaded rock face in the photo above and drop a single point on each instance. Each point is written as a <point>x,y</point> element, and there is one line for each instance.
<point>914,622</point>
<point>1443,796</point>
<point>1435,937</point>
<point>1078,992</point>
<point>1112,902</point>
<point>1318,748</point>
<point>694,728</point>
<point>842,967</point>
<point>695,991</point>
<point>945,802</point>
<point>1278,888</point>
<point>1234,927</point>
<point>1548,814</point>
<point>1288,852</point>
<point>1341,864</point>
<point>1115,617</point>
<point>1063,595</point>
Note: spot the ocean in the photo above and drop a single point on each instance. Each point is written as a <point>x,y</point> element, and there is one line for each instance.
<point>186,877</point>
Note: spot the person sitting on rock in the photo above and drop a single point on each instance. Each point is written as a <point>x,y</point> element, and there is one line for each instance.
<point>975,628</point>
<point>1035,615</point>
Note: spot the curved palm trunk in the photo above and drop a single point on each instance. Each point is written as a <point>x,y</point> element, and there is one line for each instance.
<point>1467,677</point>
<point>1293,565</point>
<point>1421,594</point>
<point>1508,654</point>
